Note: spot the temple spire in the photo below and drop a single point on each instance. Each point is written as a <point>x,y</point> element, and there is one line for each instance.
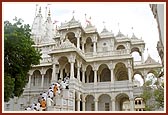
<point>36,10</point>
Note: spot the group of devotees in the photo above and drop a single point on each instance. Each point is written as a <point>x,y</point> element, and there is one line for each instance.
<point>45,99</point>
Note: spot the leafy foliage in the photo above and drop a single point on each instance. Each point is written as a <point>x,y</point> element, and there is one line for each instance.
<point>9,87</point>
<point>19,55</point>
<point>153,94</point>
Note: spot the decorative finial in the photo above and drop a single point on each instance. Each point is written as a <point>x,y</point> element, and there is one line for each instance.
<point>104,24</point>
<point>132,30</point>
<point>73,13</point>
<point>119,26</point>
<point>148,52</point>
<point>40,10</point>
<point>49,14</point>
<point>36,9</point>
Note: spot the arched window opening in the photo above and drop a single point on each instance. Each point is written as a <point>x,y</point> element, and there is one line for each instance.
<point>120,47</point>
<point>138,80</point>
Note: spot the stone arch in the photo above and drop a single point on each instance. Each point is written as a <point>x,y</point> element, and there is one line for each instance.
<point>104,102</point>
<point>153,71</point>
<point>136,54</point>
<point>36,78</point>
<point>136,49</point>
<point>47,77</point>
<point>88,45</point>
<point>120,47</point>
<point>89,74</point>
<point>138,78</point>
<point>71,37</point>
<point>151,75</point>
<point>133,49</point>
<point>89,103</point>
<point>122,102</point>
<point>63,60</point>
<point>104,73</point>
<point>64,66</point>
<point>121,72</point>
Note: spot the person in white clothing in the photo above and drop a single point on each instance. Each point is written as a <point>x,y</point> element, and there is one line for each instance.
<point>49,101</point>
<point>32,106</point>
<point>38,106</point>
<point>51,94</point>
<point>66,81</point>
<point>44,95</point>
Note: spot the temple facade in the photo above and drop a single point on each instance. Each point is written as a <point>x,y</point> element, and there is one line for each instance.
<point>100,66</point>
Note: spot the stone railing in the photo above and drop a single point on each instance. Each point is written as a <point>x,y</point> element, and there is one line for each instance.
<point>107,53</point>
<point>102,86</point>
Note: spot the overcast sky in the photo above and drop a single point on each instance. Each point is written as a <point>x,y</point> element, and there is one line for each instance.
<point>116,16</point>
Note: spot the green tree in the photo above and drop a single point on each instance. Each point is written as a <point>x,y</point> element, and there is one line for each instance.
<point>153,94</point>
<point>19,56</point>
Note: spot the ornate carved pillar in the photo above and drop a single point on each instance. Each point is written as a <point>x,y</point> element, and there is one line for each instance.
<point>94,47</point>
<point>42,80</point>
<point>55,70</point>
<point>131,98</point>
<point>42,77</point>
<point>94,44</point>
<point>72,62</point>
<point>78,73</point>
<point>131,104</point>
<point>83,75</point>
<point>95,68</point>
<point>78,35</point>
<point>78,42</point>
<point>129,74</point>
<point>111,71</point>
<point>78,101</point>
<point>95,77</point>
<point>96,104</point>
<point>113,101</point>
<point>129,71</point>
<point>112,75</point>
<point>113,104</point>
<point>83,103</point>
<point>72,70</point>
<point>79,63</point>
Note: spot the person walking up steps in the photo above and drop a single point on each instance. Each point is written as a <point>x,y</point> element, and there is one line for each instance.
<point>49,101</point>
<point>43,104</point>
<point>55,89</point>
